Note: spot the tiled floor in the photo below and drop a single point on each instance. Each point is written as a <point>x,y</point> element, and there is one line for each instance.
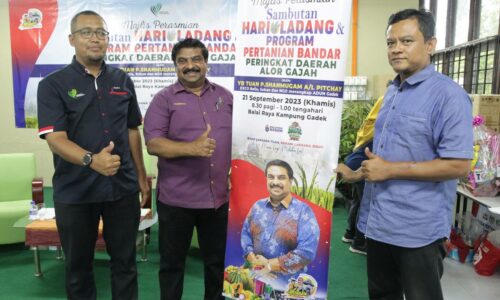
<point>461,282</point>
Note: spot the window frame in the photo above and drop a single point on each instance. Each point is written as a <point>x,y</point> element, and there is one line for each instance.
<point>472,53</point>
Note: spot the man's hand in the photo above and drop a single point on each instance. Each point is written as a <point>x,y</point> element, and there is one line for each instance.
<point>257,261</point>
<point>261,266</point>
<point>104,162</point>
<point>348,174</point>
<point>375,168</point>
<point>263,269</point>
<point>145,190</point>
<point>252,259</point>
<point>204,146</point>
<point>260,261</point>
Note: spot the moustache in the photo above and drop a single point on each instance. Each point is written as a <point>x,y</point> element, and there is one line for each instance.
<point>275,185</point>
<point>185,71</point>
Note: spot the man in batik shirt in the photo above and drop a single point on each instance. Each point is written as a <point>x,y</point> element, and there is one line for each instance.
<point>280,235</point>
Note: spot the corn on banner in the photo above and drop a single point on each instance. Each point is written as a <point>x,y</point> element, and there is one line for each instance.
<point>288,90</point>
<point>142,34</point>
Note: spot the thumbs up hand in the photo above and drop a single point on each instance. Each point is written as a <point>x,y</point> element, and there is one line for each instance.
<point>204,146</point>
<point>370,154</point>
<point>375,168</point>
<point>105,162</point>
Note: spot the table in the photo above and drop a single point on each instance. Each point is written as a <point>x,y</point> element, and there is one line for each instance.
<point>486,201</point>
<point>462,204</point>
<point>44,233</point>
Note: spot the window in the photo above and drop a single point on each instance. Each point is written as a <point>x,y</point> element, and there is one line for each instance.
<point>490,11</point>
<point>462,18</point>
<point>441,17</point>
<point>483,67</point>
<point>472,65</point>
<point>468,42</point>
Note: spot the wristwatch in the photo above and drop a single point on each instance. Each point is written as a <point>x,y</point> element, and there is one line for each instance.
<point>87,159</point>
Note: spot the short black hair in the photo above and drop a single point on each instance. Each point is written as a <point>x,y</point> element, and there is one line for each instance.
<point>84,13</point>
<point>280,163</point>
<point>189,43</point>
<point>426,22</point>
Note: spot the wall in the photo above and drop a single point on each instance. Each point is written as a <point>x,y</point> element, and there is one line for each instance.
<point>372,62</point>
<point>372,57</point>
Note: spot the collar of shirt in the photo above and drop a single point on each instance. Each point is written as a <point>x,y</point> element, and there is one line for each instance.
<point>178,87</point>
<point>416,78</point>
<point>81,68</point>
<point>285,203</point>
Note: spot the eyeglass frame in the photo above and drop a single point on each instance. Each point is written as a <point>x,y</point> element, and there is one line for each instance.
<point>92,32</point>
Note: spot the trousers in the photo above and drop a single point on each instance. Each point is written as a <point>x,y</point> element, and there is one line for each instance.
<point>414,272</point>
<point>78,230</point>
<point>176,226</point>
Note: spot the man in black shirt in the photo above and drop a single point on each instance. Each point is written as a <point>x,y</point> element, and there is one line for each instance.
<point>89,115</point>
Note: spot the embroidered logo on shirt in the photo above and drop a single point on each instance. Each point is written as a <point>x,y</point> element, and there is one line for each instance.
<point>116,90</point>
<point>73,93</point>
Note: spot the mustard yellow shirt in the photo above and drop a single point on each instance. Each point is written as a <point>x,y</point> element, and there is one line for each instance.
<point>367,130</point>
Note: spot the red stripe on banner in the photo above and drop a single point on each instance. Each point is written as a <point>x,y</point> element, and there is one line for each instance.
<point>31,26</point>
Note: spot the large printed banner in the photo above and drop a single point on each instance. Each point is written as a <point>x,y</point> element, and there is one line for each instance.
<point>288,90</point>
<point>142,34</point>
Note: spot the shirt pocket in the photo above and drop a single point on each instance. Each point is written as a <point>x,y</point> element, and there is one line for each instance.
<point>224,116</point>
<point>413,131</point>
<point>117,106</point>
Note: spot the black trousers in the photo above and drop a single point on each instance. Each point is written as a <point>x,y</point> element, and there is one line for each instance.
<point>176,226</point>
<point>78,228</point>
<point>414,272</point>
<point>352,218</point>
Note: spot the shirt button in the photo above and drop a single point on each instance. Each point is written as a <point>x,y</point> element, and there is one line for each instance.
<point>103,114</point>
<point>211,165</point>
<point>374,185</point>
<point>106,131</point>
<point>381,146</point>
<point>394,107</point>
<point>212,182</point>
<point>204,112</point>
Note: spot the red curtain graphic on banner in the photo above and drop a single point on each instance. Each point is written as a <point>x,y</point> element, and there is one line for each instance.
<point>31,25</point>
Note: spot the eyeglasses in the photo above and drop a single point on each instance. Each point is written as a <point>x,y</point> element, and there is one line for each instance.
<point>87,33</point>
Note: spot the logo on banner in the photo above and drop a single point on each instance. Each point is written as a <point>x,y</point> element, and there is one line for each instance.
<point>273,128</point>
<point>32,19</point>
<point>156,10</point>
<point>294,131</point>
<point>302,287</point>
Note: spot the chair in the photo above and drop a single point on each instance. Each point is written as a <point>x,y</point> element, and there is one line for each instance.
<point>18,186</point>
<point>150,176</point>
<point>146,157</point>
<point>148,165</point>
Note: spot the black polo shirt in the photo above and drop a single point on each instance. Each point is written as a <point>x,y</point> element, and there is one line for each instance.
<point>93,112</point>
